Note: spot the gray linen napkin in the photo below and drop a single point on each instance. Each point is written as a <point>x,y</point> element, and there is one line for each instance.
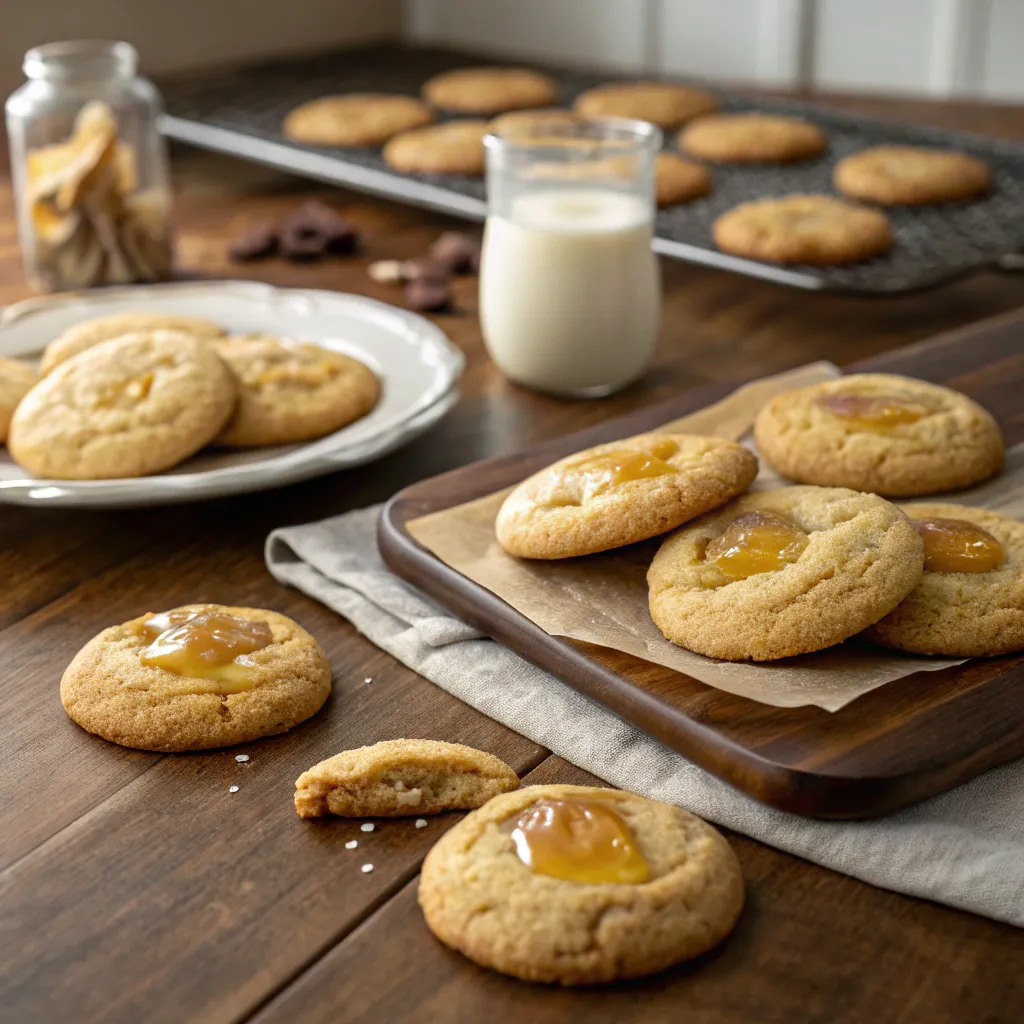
<point>964,848</point>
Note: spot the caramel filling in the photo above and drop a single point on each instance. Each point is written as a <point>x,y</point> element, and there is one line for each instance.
<point>754,543</point>
<point>954,545</point>
<point>206,645</point>
<point>619,467</point>
<point>872,411</point>
<point>578,841</point>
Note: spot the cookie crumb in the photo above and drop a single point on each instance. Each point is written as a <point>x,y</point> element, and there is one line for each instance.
<point>232,789</point>
<point>421,822</point>
<point>367,826</point>
<point>351,844</point>
<point>366,869</point>
<point>241,758</point>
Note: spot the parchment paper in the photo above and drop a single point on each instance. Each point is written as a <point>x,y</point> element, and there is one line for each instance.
<point>602,599</point>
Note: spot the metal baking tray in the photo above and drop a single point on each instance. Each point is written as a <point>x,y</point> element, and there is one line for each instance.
<point>240,112</point>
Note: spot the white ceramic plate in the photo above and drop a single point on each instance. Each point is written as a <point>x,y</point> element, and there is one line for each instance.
<point>418,366</point>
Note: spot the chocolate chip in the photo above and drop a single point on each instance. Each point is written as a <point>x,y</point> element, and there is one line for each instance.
<point>457,251</point>
<point>255,242</point>
<point>427,296</point>
<point>300,242</point>
<point>339,234</point>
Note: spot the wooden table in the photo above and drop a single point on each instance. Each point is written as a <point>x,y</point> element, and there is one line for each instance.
<point>135,887</point>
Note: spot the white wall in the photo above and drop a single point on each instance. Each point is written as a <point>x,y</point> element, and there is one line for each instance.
<point>928,47</point>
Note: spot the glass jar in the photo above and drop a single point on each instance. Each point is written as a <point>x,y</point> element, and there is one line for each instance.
<point>570,293</point>
<point>89,167</point>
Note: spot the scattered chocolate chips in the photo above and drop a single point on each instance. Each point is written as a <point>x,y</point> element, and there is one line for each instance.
<point>427,296</point>
<point>456,250</point>
<point>309,233</point>
<point>255,242</point>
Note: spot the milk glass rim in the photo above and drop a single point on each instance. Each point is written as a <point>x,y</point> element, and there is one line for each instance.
<point>647,137</point>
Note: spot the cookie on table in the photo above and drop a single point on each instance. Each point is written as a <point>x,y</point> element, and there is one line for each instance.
<point>16,380</point>
<point>752,138</point>
<point>402,777</point>
<point>660,103</point>
<point>454,147</point>
<point>620,493</point>
<point>879,432</point>
<point>355,119</point>
<point>970,601</point>
<point>292,391</point>
<point>785,572</point>
<point>677,180</point>
<point>128,407</point>
<point>578,885</point>
<point>911,174</point>
<point>489,90</point>
<point>196,677</point>
<point>811,229</point>
<point>91,332</point>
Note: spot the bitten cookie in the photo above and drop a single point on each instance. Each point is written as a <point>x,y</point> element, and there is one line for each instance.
<point>91,332</point>
<point>783,572</point>
<point>16,380</point>
<point>196,677</point>
<point>660,103</point>
<point>879,432</point>
<point>454,147</point>
<point>579,885</point>
<point>911,174</point>
<point>970,601</point>
<point>677,180</point>
<point>291,392</point>
<point>355,119</point>
<point>620,493</point>
<point>128,407</point>
<point>752,138</point>
<point>818,230</point>
<point>401,777</point>
<point>489,90</point>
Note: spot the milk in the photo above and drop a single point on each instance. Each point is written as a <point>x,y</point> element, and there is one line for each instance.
<point>569,290</point>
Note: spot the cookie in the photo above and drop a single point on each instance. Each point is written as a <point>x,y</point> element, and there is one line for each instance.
<point>785,572</point>
<point>620,493</point>
<point>660,103</point>
<point>970,601</point>
<point>91,332</point>
<point>911,174</point>
<point>128,407</point>
<point>16,380</point>
<point>401,777</point>
<point>355,119</point>
<point>879,432</point>
<point>579,885</point>
<point>292,391</point>
<point>196,677</point>
<point>818,230</point>
<point>455,147</point>
<point>752,138</point>
<point>525,121</point>
<point>677,180</point>
<point>489,90</point>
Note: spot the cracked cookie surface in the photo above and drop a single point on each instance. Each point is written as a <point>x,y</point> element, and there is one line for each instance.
<point>852,558</point>
<point>905,437</point>
<point>962,614</point>
<point>292,391</point>
<point>128,407</point>
<point>622,492</point>
<point>480,898</point>
<point>109,691</point>
<point>395,778</point>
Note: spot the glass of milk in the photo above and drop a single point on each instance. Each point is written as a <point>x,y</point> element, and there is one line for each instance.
<point>570,292</point>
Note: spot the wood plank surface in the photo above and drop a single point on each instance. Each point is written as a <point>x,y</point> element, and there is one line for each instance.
<point>134,887</point>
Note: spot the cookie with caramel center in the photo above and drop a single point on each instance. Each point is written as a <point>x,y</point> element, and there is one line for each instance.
<point>779,573</point>
<point>620,493</point>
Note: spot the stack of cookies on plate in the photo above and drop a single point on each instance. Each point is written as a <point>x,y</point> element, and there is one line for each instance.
<point>135,394</point>
<point>771,574</point>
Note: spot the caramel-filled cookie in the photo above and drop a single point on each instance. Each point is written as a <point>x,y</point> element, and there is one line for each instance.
<point>454,147</point>
<point>620,493</point>
<point>785,572</point>
<point>355,119</point>
<point>196,677</point>
<point>912,175</point>
<point>818,230</point>
<point>581,885</point>
<point>970,601</point>
<point>660,103</point>
<point>752,138</point>
<point>879,432</point>
<point>489,90</point>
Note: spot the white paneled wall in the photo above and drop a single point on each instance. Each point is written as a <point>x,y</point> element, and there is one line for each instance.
<point>932,47</point>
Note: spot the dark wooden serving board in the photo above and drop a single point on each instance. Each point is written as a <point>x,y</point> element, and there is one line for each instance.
<point>896,745</point>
